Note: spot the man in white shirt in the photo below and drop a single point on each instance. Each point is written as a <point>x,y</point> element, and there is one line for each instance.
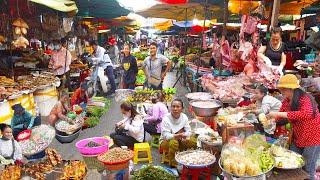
<point>176,132</point>
<point>104,61</point>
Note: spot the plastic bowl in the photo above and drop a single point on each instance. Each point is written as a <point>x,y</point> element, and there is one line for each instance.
<point>28,131</point>
<point>81,146</point>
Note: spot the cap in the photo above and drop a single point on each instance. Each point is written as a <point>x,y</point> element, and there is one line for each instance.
<point>17,107</point>
<point>289,81</point>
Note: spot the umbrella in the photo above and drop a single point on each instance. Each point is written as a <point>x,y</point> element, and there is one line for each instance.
<point>178,12</point>
<point>59,5</point>
<point>101,8</point>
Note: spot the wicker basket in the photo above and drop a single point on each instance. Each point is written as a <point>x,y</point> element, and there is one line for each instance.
<point>93,163</point>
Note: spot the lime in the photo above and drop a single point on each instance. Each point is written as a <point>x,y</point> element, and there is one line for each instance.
<point>288,126</point>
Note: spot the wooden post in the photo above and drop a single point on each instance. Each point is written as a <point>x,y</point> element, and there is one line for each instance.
<point>275,13</point>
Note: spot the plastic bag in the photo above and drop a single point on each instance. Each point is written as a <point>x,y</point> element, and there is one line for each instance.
<point>256,141</point>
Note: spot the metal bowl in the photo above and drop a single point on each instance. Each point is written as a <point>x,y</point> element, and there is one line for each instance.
<point>205,111</point>
<point>68,138</point>
<point>199,96</point>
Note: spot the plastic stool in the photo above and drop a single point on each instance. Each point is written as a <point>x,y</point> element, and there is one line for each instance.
<point>141,147</point>
<point>155,141</point>
<point>195,173</point>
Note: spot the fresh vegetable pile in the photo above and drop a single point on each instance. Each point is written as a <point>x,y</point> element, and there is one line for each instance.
<point>94,113</point>
<point>151,173</point>
<point>115,155</point>
<point>140,78</point>
<point>146,94</point>
<point>140,55</point>
<point>252,158</point>
<point>286,159</point>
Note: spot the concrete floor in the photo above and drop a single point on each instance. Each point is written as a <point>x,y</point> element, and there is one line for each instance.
<point>106,126</point>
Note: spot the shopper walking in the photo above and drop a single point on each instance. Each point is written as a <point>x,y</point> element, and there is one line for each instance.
<point>153,66</point>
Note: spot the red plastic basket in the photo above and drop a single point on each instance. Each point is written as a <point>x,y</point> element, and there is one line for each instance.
<point>114,163</point>
<point>28,131</point>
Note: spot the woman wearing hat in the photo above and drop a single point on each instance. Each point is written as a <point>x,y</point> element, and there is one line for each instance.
<point>22,120</point>
<point>300,109</point>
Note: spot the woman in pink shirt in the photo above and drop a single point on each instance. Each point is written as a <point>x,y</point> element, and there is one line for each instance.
<point>155,115</point>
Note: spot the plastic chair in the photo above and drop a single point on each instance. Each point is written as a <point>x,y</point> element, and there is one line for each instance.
<point>155,141</point>
<point>142,147</point>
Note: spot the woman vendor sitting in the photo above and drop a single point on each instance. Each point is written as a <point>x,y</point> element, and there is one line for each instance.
<point>10,150</point>
<point>130,129</point>
<point>154,118</point>
<point>176,132</point>
<point>80,96</point>
<point>22,120</point>
<point>60,110</point>
<point>300,109</point>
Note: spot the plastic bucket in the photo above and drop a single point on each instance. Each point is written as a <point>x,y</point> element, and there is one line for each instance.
<point>46,99</point>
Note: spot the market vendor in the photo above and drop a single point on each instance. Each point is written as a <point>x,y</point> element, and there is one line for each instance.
<point>155,115</point>
<point>80,96</point>
<point>10,150</point>
<point>129,64</point>
<point>22,120</point>
<point>60,110</point>
<point>265,102</point>
<point>273,53</point>
<point>61,58</point>
<point>130,130</point>
<point>176,132</point>
<point>300,109</point>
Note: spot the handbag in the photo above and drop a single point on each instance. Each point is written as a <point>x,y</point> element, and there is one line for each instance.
<point>152,79</point>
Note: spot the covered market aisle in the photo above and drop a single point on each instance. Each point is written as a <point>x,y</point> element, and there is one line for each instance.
<point>159,89</point>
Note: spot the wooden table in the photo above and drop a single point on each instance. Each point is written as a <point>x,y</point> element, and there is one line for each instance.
<point>295,174</point>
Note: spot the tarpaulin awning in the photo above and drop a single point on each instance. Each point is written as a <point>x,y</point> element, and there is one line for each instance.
<point>188,24</point>
<point>163,26</point>
<point>181,11</point>
<point>59,5</point>
<point>106,9</point>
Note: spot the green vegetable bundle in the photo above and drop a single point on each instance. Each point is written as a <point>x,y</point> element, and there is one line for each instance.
<point>92,121</point>
<point>152,173</point>
<point>266,161</point>
<point>140,55</point>
<point>140,78</point>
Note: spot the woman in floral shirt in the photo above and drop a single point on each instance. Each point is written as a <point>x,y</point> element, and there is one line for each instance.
<point>301,111</point>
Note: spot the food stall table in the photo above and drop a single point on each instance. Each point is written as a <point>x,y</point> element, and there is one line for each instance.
<point>236,129</point>
<point>294,174</point>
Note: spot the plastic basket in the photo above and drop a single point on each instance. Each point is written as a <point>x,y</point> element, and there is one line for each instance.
<point>117,167</point>
<point>81,146</point>
<point>92,162</point>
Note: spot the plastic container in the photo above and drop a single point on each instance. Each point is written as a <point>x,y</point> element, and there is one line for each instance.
<point>28,131</point>
<point>46,99</point>
<point>81,146</point>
